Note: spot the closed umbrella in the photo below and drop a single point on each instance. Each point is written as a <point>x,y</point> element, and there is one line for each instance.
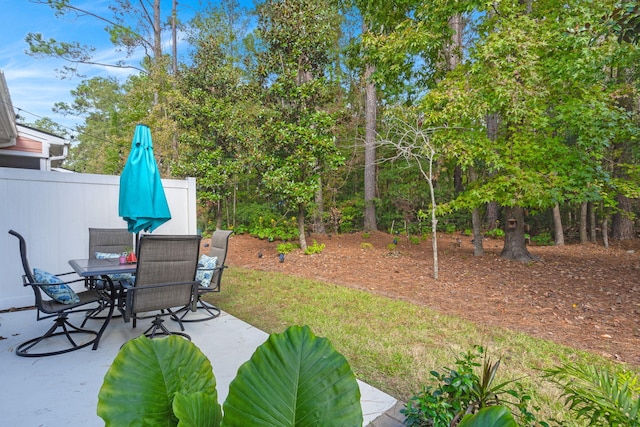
<point>143,203</point>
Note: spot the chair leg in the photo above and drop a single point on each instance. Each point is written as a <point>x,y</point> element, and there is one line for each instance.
<point>157,328</point>
<point>67,330</point>
<point>211,310</point>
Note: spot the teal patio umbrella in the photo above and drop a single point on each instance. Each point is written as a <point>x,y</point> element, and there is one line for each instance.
<point>143,203</point>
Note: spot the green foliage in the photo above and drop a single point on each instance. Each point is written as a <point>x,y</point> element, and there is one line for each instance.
<point>261,221</point>
<point>297,144</point>
<point>494,416</point>
<point>295,378</point>
<point>350,216</point>
<point>366,245</point>
<point>285,248</point>
<point>414,240</point>
<point>461,390</point>
<point>598,397</point>
<point>315,248</point>
<point>496,233</point>
<point>366,235</point>
<point>449,228</point>
<point>391,247</point>
<point>543,239</point>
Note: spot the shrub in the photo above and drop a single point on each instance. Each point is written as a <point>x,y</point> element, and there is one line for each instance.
<point>366,235</point>
<point>259,220</point>
<point>496,233</point>
<point>543,239</point>
<point>314,249</point>
<point>285,248</point>
<point>391,247</point>
<point>415,240</point>
<point>351,216</point>
<point>461,391</point>
<point>366,245</point>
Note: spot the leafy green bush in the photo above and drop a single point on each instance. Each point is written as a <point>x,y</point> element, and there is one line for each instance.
<point>294,377</point>
<point>259,220</point>
<point>366,245</point>
<point>350,216</point>
<point>543,239</point>
<point>285,248</point>
<point>414,240</point>
<point>461,391</point>
<point>496,233</point>
<point>314,249</point>
<point>449,228</point>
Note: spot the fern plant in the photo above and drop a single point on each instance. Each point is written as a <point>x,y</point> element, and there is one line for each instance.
<point>598,396</point>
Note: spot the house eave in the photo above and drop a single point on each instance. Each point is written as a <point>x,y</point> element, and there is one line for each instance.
<point>8,128</point>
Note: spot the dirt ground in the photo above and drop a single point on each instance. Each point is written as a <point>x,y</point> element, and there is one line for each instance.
<point>583,296</point>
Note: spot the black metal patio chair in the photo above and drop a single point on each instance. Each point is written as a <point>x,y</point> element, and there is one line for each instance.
<point>55,299</point>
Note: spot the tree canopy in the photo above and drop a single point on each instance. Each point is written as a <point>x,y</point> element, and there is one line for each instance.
<point>529,106</point>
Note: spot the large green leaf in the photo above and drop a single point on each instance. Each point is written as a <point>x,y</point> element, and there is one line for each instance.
<point>492,416</point>
<point>139,388</point>
<point>197,410</point>
<point>294,379</point>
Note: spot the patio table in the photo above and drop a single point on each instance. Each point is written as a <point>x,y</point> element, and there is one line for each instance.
<point>100,267</point>
<point>103,268</point>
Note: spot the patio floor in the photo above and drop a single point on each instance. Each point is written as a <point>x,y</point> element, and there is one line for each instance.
<point>63,390</point>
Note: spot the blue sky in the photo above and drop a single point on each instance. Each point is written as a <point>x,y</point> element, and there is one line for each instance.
<point>34,84</point>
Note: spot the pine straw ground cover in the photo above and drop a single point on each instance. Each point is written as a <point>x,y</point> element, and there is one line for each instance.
<point>394,342</point>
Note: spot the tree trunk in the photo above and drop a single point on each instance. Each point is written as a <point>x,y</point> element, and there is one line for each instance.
<point>621,225</point>
<point>583,223</point>
<point>174,37</point>
<point>478,249</point>
<point>476,221</point>
<point>605,231</point>
<point>515,247</point>
<point>453,55</point>
<point>301,232</point>
<point>558,232</point>
<point>318,218</point>
<point>592,223</point>
<point>493,216</point>
<point>370,151</point>
<point>157,32</point>
<point>493,210</point>
<point>457,180</point>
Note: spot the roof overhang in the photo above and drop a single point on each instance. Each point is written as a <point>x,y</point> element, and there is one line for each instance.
<point>8,129</point>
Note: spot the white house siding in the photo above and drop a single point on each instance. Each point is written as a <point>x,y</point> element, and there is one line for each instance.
<point>54,211</point>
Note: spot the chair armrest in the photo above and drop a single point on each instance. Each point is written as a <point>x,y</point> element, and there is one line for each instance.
<point>66,274</point>
<point>25,282</point>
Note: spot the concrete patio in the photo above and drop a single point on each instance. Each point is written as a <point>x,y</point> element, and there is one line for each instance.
<point>63,390</point>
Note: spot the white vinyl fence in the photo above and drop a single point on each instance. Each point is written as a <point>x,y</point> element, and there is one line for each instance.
<point>54,211</point>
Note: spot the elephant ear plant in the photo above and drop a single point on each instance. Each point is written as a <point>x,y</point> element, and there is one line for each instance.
<point>293,379</point>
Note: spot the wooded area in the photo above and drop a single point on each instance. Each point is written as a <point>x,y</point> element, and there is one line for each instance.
<point>404,116</point>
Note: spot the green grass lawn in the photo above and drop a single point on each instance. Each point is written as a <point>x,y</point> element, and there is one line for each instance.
<point>392,344</point>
